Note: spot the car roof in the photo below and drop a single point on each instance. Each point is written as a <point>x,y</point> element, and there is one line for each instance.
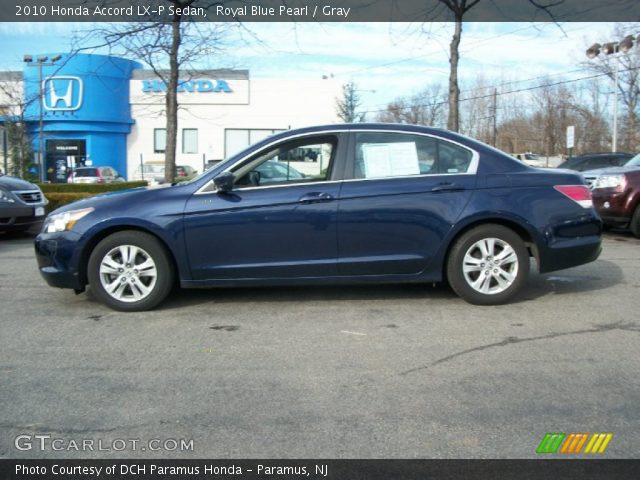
<point>587,156</point>
<point>344,127</point>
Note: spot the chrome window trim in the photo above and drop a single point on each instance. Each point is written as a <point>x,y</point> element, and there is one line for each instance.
<point>472,170</point>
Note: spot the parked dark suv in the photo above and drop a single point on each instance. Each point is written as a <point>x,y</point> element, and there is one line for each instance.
<point>593,161</point>
<point>616,194</point>
<point>21,204</point>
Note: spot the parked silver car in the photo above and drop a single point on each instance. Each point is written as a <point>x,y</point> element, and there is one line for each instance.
<point>95,175</point>
<point>149,172</point>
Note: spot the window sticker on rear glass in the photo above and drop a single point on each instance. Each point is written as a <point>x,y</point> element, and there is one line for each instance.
<point>390,159</point>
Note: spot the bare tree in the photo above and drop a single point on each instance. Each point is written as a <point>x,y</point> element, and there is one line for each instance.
<point>592,130</point>
<point>347,106</point>
<point>13,105</point>
<point>477,110</point>
<point>170,50</point>
<point>426,107</point>
<point>460,8</point>
<point>555,112</point>
<point>517,135</point>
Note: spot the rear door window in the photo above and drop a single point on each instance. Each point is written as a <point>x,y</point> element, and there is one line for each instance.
<point>388,154</point>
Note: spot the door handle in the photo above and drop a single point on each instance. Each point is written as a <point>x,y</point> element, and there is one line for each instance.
<point>315,197</point>
<point>447,187</point>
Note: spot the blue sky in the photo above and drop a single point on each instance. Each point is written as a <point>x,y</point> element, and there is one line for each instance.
<point>385,60</point>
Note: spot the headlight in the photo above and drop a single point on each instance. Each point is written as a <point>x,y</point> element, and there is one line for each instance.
<point>610,181</point>
<point>65,221</point>
<point>6,197</point>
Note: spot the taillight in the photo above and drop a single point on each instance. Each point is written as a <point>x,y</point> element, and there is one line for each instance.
<point>578,193</point>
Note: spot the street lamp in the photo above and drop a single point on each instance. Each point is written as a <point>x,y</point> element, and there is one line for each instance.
<point>41,62</point>
<point>616,49</point>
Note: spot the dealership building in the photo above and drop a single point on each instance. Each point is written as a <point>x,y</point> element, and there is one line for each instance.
<point>102,110</point>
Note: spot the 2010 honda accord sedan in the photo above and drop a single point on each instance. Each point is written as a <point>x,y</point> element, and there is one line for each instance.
<point>371,203</point>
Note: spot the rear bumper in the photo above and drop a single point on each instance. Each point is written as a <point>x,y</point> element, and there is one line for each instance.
<point>570,254</point>
<point>571,244</point>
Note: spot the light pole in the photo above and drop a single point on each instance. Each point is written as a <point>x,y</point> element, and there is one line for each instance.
<point>5,153</point>
<point>41,62</point>
<point>615,49</point>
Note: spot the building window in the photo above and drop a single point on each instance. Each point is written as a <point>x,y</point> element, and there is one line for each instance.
<point>159,140</point>
<point>189,140</point>
<point>236,139</point>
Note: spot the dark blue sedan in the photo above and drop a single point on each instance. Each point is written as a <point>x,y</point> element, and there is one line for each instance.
<point>378,203</point>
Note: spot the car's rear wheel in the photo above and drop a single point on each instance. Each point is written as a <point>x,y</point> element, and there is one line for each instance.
<point>130,271</point>
<point>634,225</point>
<point>488,265</point>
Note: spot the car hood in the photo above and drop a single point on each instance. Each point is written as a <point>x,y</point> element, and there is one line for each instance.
<point>14,183</point>
<point>609,171</point>
<point>104,199</point>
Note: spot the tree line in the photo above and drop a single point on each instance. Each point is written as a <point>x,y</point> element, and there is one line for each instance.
<point>535,117</point>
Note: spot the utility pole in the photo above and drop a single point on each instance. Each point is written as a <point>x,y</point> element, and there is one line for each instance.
<point>5,150</point>
<point>43,173</point>
<point>495,117</point>
<point>41,62</point>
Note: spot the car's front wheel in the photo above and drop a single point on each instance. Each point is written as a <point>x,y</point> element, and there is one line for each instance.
<point>488,265</point>
<point>130,271</point>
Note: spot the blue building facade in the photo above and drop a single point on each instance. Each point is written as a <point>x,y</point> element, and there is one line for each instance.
<point>86,113</point>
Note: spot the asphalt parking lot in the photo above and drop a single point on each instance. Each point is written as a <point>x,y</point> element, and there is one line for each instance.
<point>324,372</point>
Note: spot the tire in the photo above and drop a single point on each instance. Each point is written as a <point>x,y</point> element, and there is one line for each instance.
<point>473,272</point>
<point>634,225</point>
<point>115,280</point>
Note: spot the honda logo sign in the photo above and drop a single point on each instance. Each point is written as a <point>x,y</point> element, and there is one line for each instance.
<point>62,93</point>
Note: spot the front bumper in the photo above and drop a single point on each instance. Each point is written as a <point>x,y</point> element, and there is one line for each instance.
<point>20,217</point>
<point>56,255</point>
<point>613,208</point>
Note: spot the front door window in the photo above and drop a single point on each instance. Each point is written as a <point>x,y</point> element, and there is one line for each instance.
<point>289,163</point>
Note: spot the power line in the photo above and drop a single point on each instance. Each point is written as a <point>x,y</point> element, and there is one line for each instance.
<point>468,47</point>
<point>510,82</point>
<point>479,97</point>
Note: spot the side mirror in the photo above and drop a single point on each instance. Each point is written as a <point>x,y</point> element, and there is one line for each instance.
<point>224,182</point>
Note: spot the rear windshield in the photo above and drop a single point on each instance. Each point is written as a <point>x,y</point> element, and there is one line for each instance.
<point>86,172</point>
<point>634,162</point>
<point>152,168</point>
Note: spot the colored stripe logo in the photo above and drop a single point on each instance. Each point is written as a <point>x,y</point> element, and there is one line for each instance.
<point>573,443</point>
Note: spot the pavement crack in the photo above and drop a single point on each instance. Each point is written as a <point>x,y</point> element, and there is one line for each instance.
<point>631,327</point>
<point>71,431</point>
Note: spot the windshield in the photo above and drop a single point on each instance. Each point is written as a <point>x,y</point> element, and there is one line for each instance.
<point>634,162</point>
<point>531,156</point>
